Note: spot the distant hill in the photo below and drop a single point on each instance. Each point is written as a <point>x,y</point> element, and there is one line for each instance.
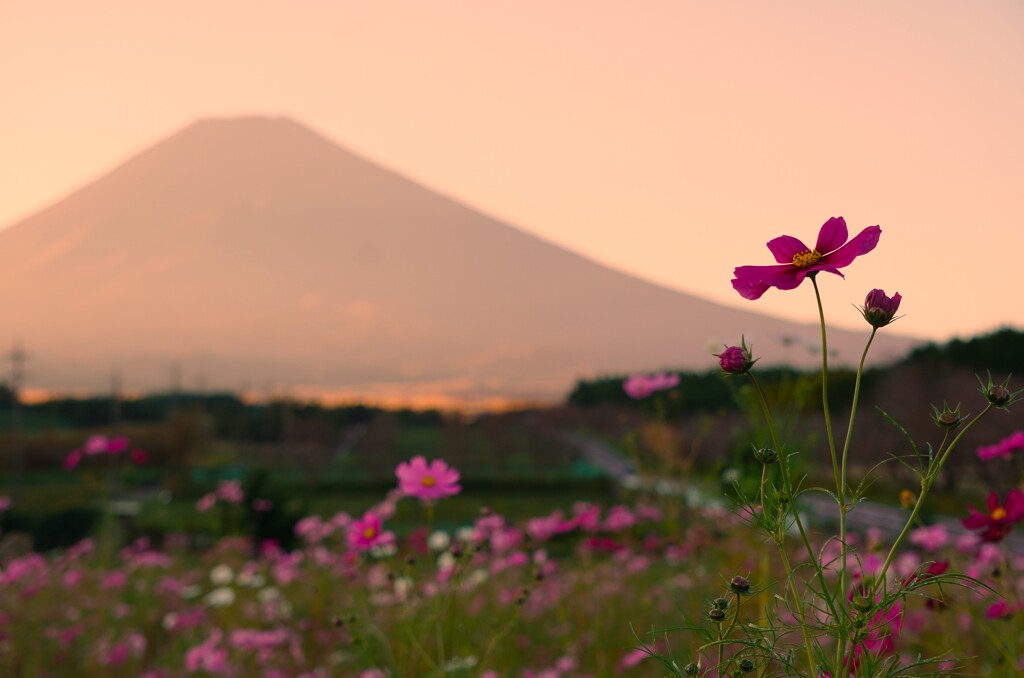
<point>254,252</point>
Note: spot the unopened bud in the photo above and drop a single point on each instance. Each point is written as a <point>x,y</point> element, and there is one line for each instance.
<point>879,310</point>
<point>746,665</point>
<point>714,614</point>
<point>998,395</point>
<point>739,584</point>
<point>766,455</point>
<point>736,359</point>
<point>947,418</point>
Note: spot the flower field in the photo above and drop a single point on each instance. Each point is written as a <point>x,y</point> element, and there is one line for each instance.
<point>675,574</point>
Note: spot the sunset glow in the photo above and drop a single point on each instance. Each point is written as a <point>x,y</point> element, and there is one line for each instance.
<point>662,138</point>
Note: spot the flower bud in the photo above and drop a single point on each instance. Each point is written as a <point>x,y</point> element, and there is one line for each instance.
<point>714,614</point>
<point>746,665</point>
<point>999,395</point>
<point>691,669</point>
<point>735,360</point>
<point>739,584</point>
<point>721,603</point>
<point>879,310</point>
<point>947,418</point>
<point>862,604</point>
<point>766,455</point>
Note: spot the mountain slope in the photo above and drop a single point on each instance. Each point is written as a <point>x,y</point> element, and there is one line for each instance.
<point>255,251</point>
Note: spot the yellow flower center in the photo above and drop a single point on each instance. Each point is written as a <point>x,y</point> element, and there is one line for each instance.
<point>370,532</point>
<point>806,258</point>
<point>428,481</point>
<point>999,513</point>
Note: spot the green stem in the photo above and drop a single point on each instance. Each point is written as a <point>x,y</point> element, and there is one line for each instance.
<point>779,539</point>
<point>926,484</point>
<point>841,646</point>
<point>824,382</point>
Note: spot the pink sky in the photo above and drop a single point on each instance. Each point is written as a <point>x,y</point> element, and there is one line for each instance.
<point>666,139</point>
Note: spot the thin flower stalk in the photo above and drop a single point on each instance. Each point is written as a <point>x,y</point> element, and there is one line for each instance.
<point>843,508</point>
<point>926,484</point>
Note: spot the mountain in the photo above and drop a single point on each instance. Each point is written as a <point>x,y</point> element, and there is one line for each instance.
<point>255,252</point>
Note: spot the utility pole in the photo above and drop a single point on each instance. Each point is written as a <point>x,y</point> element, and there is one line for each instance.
<point>18,358</point>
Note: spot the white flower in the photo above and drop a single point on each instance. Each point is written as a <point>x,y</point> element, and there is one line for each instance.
<point>475,578</point>
<point>384,550</point>
<point>403,585</point>
<point>251,579</point>
<point>169,621</point>
<point>438,541</point>
<point>446,561</point>
<point>222,575</point>
<point>268,594</point>
<point>465,534</point>
<point>220,597</point>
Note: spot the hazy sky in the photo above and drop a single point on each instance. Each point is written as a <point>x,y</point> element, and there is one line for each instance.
<point>668,139</point>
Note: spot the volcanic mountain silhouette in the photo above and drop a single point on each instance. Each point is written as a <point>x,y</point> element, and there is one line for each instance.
<point>254,251</point>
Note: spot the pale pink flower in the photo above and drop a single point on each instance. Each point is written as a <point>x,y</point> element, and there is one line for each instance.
<point>206,502</point>
<point>206,656</point>
<point>427,482</point>
<point>639,386</point>
<point>930,538</point>
<point>96,445</point>
<point>230,491</point>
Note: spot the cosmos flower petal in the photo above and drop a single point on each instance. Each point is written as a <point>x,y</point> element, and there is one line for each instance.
<point>785,246</point>
<point>862,243</point>
<point>823,267</point>
<point>753,281</point>
<point>832,235</point>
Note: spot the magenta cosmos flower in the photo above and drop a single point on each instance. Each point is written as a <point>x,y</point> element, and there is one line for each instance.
<point>831,252</point>
<point>417,478</point>
<point>367,532</point>
<point>996,524</point>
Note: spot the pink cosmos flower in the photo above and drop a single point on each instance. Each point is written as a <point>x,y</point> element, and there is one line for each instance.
<point>999,610</point>
<point>96,445</point>
<point>1004,448</point>
<point>230,491</point>
<point>117,445</point>
<point>367,532</point>
<point>73,459</point>
<point>997,523</point>
<point>930,538</point>
<point>425,481</point>
<point>639,386</point>
<point>831,252</point>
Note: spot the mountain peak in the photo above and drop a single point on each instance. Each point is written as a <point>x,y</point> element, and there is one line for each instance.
<point>254,250</point>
